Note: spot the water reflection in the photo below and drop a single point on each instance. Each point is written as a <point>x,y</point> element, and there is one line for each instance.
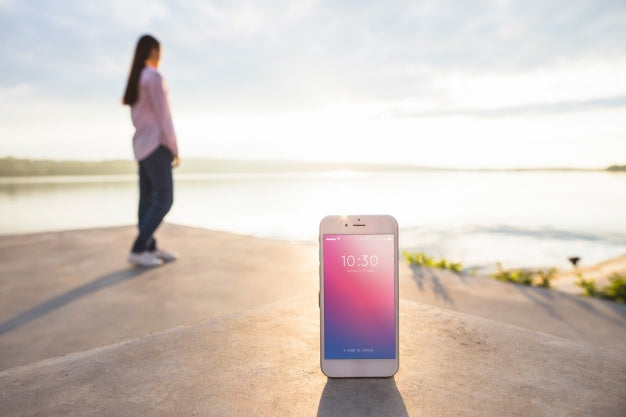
<point>519,218</point>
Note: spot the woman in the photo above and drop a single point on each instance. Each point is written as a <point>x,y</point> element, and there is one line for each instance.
<point>155,148</point>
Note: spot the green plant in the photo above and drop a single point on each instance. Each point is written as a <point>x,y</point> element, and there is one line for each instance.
<point>588,285</point>
<point>421,259</point>
<point>418,258</point>
<point>615,291</point>
<point>538,278</point>
<point>545,277</point>
<point>516,276</point>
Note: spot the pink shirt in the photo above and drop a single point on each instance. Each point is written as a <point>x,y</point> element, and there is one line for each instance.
<point>151,116</point>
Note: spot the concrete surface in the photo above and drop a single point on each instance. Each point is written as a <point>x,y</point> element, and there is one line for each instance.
<point>578,318</point>
<point>265,362</point>
<point>232,329</point>
<point>69,291</point>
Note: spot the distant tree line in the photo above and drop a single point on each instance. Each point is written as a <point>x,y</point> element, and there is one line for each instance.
<point>617,168</point>
<point>15,167</point>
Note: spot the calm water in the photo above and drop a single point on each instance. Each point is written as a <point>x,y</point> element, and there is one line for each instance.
<point>519,218</point>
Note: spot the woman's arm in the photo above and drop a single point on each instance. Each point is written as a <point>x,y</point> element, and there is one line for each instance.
<point>160,102</point>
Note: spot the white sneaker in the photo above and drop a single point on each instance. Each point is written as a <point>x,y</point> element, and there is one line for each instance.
<point>144,259</point>
<point>164,255</point>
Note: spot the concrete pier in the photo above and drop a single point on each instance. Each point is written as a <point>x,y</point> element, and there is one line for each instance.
<point>232,328</point>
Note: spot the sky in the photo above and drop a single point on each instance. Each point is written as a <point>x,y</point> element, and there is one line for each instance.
<point>432,83</point>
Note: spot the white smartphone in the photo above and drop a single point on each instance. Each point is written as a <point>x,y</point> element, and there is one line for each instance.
<point>359,296</point>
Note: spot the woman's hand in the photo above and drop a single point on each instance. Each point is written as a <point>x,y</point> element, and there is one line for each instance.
<point>175,161</point>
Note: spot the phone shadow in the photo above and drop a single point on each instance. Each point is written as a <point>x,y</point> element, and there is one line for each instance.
<point>361,397</point>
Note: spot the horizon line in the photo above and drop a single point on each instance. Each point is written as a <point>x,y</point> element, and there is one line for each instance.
<point>317,165</point>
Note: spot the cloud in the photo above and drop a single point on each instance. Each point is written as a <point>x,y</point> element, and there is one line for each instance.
<point>297,53</point>
<point>398,50</point>
<point>517,111</point>
<point>433,70</point>
<point>16,92</point>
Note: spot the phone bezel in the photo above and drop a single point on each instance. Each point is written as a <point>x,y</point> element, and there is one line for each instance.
<point>363,225</point>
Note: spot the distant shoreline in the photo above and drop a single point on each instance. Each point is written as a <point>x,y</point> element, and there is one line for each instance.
<point>16,167</point>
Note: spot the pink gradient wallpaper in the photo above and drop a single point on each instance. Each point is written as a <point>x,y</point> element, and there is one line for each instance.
<point>359,311</point>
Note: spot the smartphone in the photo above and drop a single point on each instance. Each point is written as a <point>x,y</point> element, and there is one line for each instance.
<point>359,296</point>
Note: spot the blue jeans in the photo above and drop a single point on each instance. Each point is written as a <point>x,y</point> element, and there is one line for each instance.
<point>156,195</point>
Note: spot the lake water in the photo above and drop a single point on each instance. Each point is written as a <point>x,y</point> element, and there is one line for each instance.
<point>518,218</point>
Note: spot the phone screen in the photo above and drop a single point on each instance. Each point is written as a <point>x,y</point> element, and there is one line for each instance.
<point>359,297</point>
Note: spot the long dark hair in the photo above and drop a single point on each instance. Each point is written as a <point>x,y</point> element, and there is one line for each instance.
<point>145,45</point>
